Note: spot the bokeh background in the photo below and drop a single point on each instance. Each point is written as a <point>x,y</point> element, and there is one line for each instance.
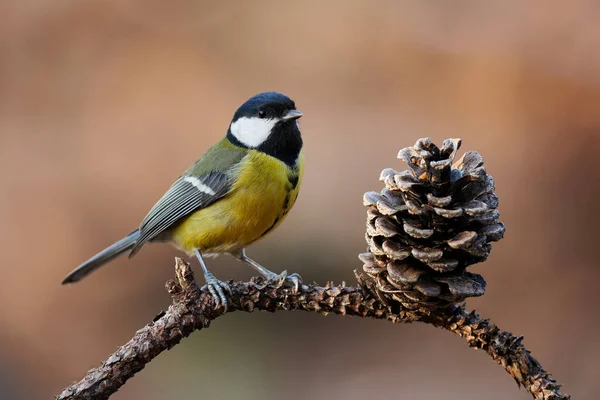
<point>104,102</point>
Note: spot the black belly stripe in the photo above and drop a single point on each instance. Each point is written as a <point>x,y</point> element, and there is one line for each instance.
<point>269,229</point>
<point>293,179</point>
<point>286,203</point>
<point>285,210</point>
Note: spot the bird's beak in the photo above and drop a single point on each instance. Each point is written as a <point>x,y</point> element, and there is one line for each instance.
<point>292,114</point>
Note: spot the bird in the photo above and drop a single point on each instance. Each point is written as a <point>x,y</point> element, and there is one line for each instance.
<point>236,193</point>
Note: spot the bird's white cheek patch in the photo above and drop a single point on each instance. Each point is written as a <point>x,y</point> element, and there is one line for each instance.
<point>252,132</point>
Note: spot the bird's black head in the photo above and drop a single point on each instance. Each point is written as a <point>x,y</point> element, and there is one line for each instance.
<point>267,123</point>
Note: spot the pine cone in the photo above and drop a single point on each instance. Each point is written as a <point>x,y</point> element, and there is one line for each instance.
<point>429,224</point>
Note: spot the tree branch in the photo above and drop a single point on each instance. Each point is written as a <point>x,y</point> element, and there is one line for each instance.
<point>193,309</point>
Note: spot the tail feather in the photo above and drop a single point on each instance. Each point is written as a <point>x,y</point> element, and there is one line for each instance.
<point>110,253</point>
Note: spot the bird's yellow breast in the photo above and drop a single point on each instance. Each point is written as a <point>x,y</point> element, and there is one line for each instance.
<point>259,200</point>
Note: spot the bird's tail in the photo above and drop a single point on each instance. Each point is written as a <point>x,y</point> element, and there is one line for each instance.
<point>110,253</point>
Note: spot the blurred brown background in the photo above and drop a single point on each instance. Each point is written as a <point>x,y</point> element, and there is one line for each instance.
<point>104,103</point>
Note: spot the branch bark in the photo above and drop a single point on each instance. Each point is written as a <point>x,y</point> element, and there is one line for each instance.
<point>193,309</point>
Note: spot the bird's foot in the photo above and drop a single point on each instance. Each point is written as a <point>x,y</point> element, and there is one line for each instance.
<point>217,288</point>
<point>293,280</point>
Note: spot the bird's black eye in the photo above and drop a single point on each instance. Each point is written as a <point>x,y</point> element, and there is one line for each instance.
<point>262,113</point>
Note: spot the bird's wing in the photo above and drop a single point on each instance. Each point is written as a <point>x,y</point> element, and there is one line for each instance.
<point>186,195</point>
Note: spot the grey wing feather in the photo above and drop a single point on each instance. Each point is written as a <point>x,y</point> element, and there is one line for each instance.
<point>186,195</point>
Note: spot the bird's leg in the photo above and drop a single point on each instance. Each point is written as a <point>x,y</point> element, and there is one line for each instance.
<point>271,277</point>
<point>215,286</point>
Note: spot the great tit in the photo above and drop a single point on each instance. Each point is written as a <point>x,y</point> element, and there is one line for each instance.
<point>236,193</point>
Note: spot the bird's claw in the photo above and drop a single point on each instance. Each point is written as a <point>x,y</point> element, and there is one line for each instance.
<point>215,287</point>
<point>293,280</point>
<point>296,281</point>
